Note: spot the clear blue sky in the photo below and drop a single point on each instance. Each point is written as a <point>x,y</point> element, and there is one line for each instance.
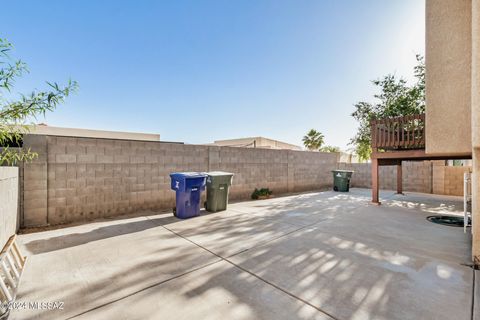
<point>197,71</point>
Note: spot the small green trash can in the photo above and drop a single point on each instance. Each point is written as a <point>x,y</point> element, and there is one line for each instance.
<point>341,180</point>
<point>218,185</point>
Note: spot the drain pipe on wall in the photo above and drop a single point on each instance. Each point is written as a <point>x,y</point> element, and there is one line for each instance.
<point>466,200</point>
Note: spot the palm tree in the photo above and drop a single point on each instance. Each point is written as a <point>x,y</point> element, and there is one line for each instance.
<point>313,140</point>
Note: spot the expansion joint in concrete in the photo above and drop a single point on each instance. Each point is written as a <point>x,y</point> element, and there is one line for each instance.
<point>226,259</point>
<point>144,289</point>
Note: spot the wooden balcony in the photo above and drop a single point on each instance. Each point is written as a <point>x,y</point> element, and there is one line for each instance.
<point>398,134</point>
<point>400,139</point>
<point>393,140</point>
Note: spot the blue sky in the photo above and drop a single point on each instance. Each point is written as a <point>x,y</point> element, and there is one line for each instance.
<point>198,71</point>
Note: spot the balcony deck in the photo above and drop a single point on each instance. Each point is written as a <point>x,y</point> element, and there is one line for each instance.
<point>400,139</point>
<point>399,133</point>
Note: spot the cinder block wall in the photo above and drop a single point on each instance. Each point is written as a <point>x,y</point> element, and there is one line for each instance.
<point>253,168</point>
<point>418,176</point>
<point>8,203</point>
<point>449,180</point>
<point>78,179</point>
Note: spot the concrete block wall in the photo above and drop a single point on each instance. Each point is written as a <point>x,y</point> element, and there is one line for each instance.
<point>79,179</point>
<point>253,168</point>
<point>454,180</point>
<point>311,170</point>
<point>281,171</point>
<point>417,176</point>
<point>33,198</point>
<point>9,221</point>
<point>449,180</point>
<point>90,178</point>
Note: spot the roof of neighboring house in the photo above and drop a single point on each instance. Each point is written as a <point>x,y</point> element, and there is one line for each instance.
<point>42,129</point>
<point>257,142</point>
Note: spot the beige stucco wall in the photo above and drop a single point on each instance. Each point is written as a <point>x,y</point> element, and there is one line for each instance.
<point>8,203</point>
<point>476,127</point>
<point>448,76</point>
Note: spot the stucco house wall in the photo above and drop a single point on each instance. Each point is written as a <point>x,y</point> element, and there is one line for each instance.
<point>476,127</point>
<point>448,76</point>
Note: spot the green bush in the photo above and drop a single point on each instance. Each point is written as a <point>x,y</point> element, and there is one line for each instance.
<point>263,192</point>
<point>15,113</point>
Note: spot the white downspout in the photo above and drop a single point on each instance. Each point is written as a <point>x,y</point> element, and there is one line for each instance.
<point>466,199</point>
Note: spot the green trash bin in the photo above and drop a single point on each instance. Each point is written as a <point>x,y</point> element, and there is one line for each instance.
<point>341,180</point>
<point>218,184</point>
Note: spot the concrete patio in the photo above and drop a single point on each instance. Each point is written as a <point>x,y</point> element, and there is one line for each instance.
<point>322,255</point>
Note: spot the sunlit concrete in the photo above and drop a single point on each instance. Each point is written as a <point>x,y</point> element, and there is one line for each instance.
<point>320,255</point>
<point>476,308</point>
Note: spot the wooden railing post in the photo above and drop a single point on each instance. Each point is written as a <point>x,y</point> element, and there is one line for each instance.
<point>374,135</point>
<point>375,190</point>
<point>399,178</point>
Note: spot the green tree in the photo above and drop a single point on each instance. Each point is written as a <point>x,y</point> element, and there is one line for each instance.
<point>396,98</point>
<point>330,149</point>
<point>313,140</point>
<point>14,113</point>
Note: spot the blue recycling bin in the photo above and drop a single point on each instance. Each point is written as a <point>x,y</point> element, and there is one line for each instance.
<point>188,187</point>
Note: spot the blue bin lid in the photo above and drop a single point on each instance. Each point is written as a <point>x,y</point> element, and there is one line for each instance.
<point>186,175</point>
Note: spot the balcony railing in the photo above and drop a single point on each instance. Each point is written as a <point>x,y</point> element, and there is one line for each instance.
<point>399,133</point>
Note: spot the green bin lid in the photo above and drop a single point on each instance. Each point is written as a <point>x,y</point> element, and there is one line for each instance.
<point>216,178</point>
<point>219,173</point>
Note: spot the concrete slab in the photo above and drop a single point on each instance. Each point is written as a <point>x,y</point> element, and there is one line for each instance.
<point>300,210</point>
<point>220,291</point>
<point>228,233</point>
<point>89,265</point>
<point>371,263</point>
<point>249,224</point>
<point>285,258</point>
<point>476,297</point>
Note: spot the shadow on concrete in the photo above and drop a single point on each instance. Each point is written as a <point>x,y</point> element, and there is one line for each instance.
<point>341,255</point>
<point>114,230</point>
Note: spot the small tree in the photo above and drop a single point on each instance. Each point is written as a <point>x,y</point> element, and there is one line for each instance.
<point>396,98</point>
<point>313,140</point>
<point>15,113</point>
<point>330,149</point>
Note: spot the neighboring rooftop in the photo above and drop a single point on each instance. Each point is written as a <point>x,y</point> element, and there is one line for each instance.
<point>43,129</point>
<point>257,142</point>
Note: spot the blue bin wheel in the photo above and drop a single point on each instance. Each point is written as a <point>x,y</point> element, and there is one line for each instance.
<point>174,211</point>
<point>335,188</point>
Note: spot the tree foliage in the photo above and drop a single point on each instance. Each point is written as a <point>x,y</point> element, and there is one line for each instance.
<point>330,149</point>
<point>15,113</point>
<point>313,140</point>
<point>395,98</point>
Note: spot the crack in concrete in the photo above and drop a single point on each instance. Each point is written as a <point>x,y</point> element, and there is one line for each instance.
<point>144,289</point>
<point>221,258</point>
<point>257,276</point>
